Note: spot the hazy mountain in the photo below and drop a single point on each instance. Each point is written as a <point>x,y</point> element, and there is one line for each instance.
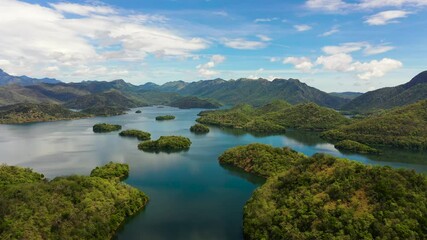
<point>390,97</point>
<point>6,79</point>
<point>346,95</point>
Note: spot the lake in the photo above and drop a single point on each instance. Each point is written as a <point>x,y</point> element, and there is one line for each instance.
<point>191,195</point>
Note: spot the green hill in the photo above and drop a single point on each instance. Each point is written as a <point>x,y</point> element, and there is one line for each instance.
<point>31,112</point>
<point>386,98</point>
<point>275,117</point>
<point>194,102</point>
<point>73,207</point>
<point>323,197</point>
<point>403,127</point>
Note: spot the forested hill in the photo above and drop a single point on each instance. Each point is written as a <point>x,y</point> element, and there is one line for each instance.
<point>390,97</point>
<point>255,92</point>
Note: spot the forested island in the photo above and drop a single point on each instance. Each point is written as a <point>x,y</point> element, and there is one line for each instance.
<point>73,207</point>
<point>32,112</point>
<point>166,144</point>
<point>199,128</point>
<point>140,135</point>
<point>322,197</point>
<point>105,127</point>
<point>275,117</point>
<point>353,146</point>
<point>165,117</point>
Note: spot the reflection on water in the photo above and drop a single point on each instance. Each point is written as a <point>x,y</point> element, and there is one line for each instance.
<point>191,195</point>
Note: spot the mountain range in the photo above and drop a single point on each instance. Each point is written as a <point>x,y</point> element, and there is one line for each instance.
<point>6,79</point>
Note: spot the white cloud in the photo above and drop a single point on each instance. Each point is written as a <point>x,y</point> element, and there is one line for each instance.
<point>340,6</point>
<point>373,50</point>
<point>264,38</point>
<point>333,30</point>
<point>326,5</point>
<point>263,20</point>
<point>301,63</point>
<point>243,44</point>
<point>350,47</point>
<point>340,62</point>
<point>370,4</point>
<point>376,68</point>
<point>205,70</point>
<point>44,37</point>
<point>386,17</point>
<point>302,27</point>
<point>275,59</point>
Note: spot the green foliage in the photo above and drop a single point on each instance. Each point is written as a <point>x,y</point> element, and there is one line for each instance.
<point>105,127</point>
<point>31,112</point>
<point>199,128</point>
<point>275,117</point>
<point>140,135</point>
<point>324,197</point>
<point>352,146</point>
<point>261,159</point>
<point>194,102</point>
<point>111,171</point>
<point>166,117</point>
<point>404,127</point>
<point>74,207</point>
<point>166,143</point>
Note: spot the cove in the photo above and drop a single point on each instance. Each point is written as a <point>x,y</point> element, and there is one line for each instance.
<point>191,195</point>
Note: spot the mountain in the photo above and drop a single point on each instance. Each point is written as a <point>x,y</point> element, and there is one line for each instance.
<point>6,79</point>
<point>256,92</point>
<point>390,97</point>
<point>194,102</point>
<point>112,98</point>
<point>401,127</point>
<point>346,95</point>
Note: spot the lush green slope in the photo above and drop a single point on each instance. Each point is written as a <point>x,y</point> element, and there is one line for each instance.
<point>260,92</point>
<point>323,197</point>
<point>390,97</point>
<point>31,112</point>
<point>353,146</point>
<point>346,95</point>
<point>275,117</point>
<point>194,102</point>
<point>111,171</point>
<point>403,127</point>
<point>74,207</point>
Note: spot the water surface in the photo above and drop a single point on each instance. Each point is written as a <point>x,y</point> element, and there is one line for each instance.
<point>191,195</point>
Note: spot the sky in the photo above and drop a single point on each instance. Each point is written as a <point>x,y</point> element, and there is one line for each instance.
<point>333,45</point>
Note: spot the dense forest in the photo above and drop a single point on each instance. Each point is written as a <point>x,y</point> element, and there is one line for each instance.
<point>140,135</point>
<point>105,127</point>
<point>323,197</point>
<point>73,207</point>
<point>275,117</point>
<point>166,144</point>
<point>402,127</point>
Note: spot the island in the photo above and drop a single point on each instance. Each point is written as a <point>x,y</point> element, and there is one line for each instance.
<point>275,117</point>
<point>138,111</point>
<point>324,197</point>
<point>353,146</point>
<point>166,144</point>
<point>71,207</point>
<point>199,128</point>
<point>36,112</point>
<point>105,127</point>
<point>165,117</point>
<point>140,135</point>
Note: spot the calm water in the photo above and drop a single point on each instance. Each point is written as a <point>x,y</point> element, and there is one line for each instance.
<point>191,195</point>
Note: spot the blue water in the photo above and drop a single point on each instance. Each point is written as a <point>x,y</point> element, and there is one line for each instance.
<point>191,195</point>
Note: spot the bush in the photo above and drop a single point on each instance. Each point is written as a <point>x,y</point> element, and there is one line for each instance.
<point>105,127</point>
<point>140,135</point>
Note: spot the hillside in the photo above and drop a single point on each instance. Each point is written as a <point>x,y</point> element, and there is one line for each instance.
<point>402,127</point>
<point>275,116</point>
<point>323,197</point>
<point>6,79</point>
<point>386,98</point>
<point>105,99</point>
<point>194,102</point>
<point>346,95</point>
<point>31,112</point>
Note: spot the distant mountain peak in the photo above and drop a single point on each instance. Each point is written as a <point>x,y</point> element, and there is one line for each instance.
<point>418,79</point>
<point>7,79</point>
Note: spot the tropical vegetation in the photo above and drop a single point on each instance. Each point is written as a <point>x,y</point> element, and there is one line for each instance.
<point>73,207</point>
<point>166,144</point>
<point>353,146</point>
<point>140,135</point>
<point>111,171</point>
<point>105,127</point>
<point>199,128</point>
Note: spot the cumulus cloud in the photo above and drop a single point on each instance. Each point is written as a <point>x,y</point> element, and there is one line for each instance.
<point>340,62</point>
<point>302,27</point>
<point>368,49</point>
<point>376,68</point>
<point>45,37</point>
<point>243,44</point>
<point>303,64</point>
<point>205,70</point>
<point>386,17</point>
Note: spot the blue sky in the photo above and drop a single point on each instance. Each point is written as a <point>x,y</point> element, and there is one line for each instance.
<point>334,45</point>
